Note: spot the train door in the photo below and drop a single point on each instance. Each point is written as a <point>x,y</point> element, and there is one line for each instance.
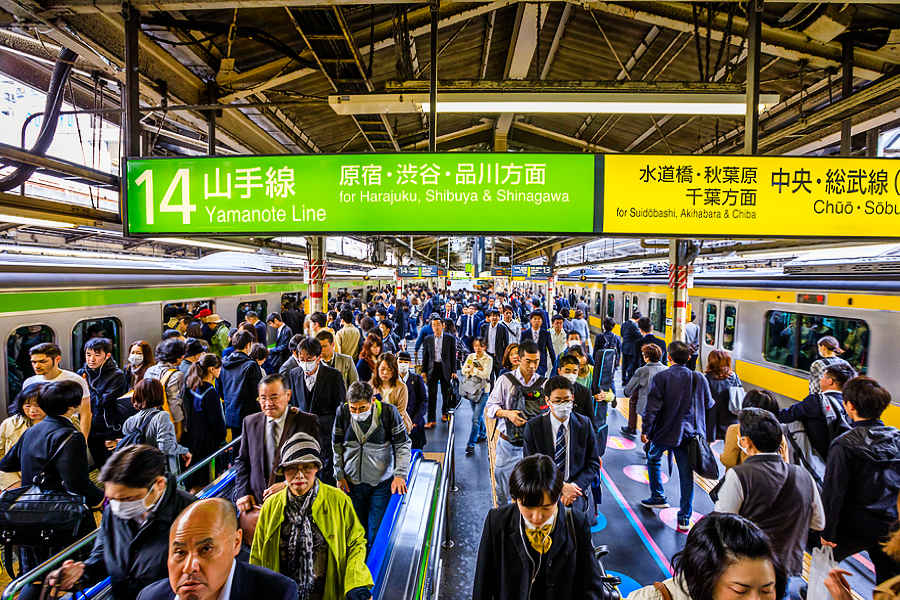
<point>718,327</point>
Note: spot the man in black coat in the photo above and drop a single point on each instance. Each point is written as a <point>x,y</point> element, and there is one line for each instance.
<point>323,393</point>
<point>497,337</point>
<point>131,552</point>
<point>540,336</point>
<point>439,367</point>
<point>263,435</point>
<point>417,399</point>
<point>281,351</point>
<point>535,547</point>
<point>648,338</point>
<point>570,439</point>
<point>239,377</point>
<point>215,573</point>
<point>631,348</point>
<point>106,382</point>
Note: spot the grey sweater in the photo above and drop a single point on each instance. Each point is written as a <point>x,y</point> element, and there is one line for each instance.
<point>640,382</point>
<point>159,432</point>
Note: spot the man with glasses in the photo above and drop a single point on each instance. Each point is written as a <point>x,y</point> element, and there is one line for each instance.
<point>263,435</point>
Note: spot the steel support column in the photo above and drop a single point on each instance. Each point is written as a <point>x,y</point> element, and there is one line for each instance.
<point>846,92</point>
<point>432,84</point>
<point>131,99</point>
<point>872,142</point>
<point>317,266</point>
<point>211,132</point>
<point>679,293</point>
<point>754,42</point>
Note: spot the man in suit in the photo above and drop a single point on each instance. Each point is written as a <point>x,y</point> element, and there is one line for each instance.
<point>323,392</point>
<point>291,363</point>
<point>468,326</point>
<point>281,351</point>
<point>497,337</point>
<point>648,338</point>
<point>259,327</point>
<point>450,310</point>
<point>569,438</point>
<point>631,346</point>
<point>439,365</point>
<point>341,362</point>
<point>204,543</point>
<point>263,435</point>
<point>541,337</point>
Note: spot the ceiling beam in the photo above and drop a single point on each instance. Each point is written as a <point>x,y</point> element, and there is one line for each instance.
<point>560,137</point>
<point>453,136</point>
<point>557,39</point>
<point>525,38</point>
<point>792,45</point>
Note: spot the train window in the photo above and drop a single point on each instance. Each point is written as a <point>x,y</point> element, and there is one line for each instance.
<point>611,306</point>
<point>18,360</point>
<point>657,310</point>
<point>728,328</point>
<point>709,327</point>
<point>634,305</point>
<point>174,310</point>
<point>791,339</point>
<point>258,306</point>
<point>291,298</point>
<point>626,313</point>
<point>105,327</point>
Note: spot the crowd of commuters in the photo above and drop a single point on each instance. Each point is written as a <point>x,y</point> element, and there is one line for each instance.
<point>330,406</point>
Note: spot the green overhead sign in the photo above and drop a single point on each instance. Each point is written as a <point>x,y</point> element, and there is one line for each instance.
<point>346,193</point>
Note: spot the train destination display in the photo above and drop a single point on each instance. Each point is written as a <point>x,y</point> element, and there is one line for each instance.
<point>480,193</point>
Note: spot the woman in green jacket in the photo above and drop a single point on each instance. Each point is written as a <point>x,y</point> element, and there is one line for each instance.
<point>309,532</point>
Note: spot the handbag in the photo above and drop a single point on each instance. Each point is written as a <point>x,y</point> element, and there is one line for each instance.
<point>736,395</point>
<point>247,522</point>
<point>701,457</point>
<point>41,513</point>
<point>471,388</point>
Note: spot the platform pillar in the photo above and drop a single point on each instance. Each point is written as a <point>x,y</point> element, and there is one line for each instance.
<point>682,254</point>
<point>316,248</point>
<point>131,101</point>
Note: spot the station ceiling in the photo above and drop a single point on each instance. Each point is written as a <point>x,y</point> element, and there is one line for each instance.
<point>283,58</point>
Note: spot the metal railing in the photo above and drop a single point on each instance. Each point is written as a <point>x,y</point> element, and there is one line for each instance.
<point>40,572</point>
<point>440,535</point>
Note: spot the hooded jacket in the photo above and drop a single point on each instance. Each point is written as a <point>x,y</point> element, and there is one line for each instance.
<point>135,557</point>
<point>862,480</point>
<point>107,384</point>
<point>240,379</point>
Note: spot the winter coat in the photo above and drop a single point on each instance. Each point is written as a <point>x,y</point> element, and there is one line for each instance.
<point>107,384</point>
<point>240,379</point>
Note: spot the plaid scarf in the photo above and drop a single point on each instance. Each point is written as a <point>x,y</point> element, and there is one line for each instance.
<point>299,559</point>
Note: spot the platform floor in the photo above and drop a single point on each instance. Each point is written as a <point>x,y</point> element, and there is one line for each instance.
<point>641,541</point>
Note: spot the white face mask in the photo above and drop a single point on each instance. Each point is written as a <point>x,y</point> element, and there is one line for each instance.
<point>573,343</point>
<point>741,446</point>
<point>570,376</point>
<point>403,368</point>
<point>530,525</point>
<point>358,417</point>
<point>308,366</point>
<point>135,360</point>
<point>129,509</point>
<point>562,411</point>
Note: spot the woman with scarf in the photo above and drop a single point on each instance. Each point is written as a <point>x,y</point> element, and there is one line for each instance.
<point>295,523</point>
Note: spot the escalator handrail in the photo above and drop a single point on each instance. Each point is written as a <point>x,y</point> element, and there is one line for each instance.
<point>437,534</point>
<point>41,570</point>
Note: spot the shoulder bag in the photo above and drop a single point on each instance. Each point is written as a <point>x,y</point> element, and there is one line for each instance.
<point>736,395</point>
<point>39,514</point>
<point>702,460</point>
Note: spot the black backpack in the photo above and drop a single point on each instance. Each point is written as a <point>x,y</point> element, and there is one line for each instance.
<point>138,435</point>
<point>530,401</point>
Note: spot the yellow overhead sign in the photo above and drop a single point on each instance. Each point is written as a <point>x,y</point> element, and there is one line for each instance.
<point>750,196</point>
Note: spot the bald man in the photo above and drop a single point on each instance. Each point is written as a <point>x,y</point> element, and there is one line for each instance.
<point>203,546</point>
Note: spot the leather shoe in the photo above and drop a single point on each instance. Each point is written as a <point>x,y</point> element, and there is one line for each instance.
<point>430,425</point>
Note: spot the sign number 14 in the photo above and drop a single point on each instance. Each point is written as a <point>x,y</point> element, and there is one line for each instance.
<point>182,178</point>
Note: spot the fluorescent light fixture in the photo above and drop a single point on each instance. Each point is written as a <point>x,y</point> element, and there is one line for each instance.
<point>676,103</point>
<point>204,244</point>
<point>37,222</point>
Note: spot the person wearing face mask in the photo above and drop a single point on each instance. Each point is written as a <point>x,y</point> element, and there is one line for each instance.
<point>140,358</point>
<point>536,548</point>
<point>570,439</point>
<point>417,399</point>
<point>763,485</point>
<point>309,531</point>
<point>371,454</point>
<point>143,503</point>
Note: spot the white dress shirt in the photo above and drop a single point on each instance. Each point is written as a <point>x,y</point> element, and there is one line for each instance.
<point>492,338</point>
<point>438,344</point>
<point>500,396</point>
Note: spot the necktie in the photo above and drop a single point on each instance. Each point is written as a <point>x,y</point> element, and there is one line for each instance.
<point>271,444</point>
<point>539,538</point>
<point>469,326</point>
<point>559,456</point>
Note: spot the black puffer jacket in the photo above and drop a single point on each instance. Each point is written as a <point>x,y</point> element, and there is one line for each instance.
<point>862,481</point>
<point>240,377</point>
<point>107,385</point>
<point>135,558</point>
